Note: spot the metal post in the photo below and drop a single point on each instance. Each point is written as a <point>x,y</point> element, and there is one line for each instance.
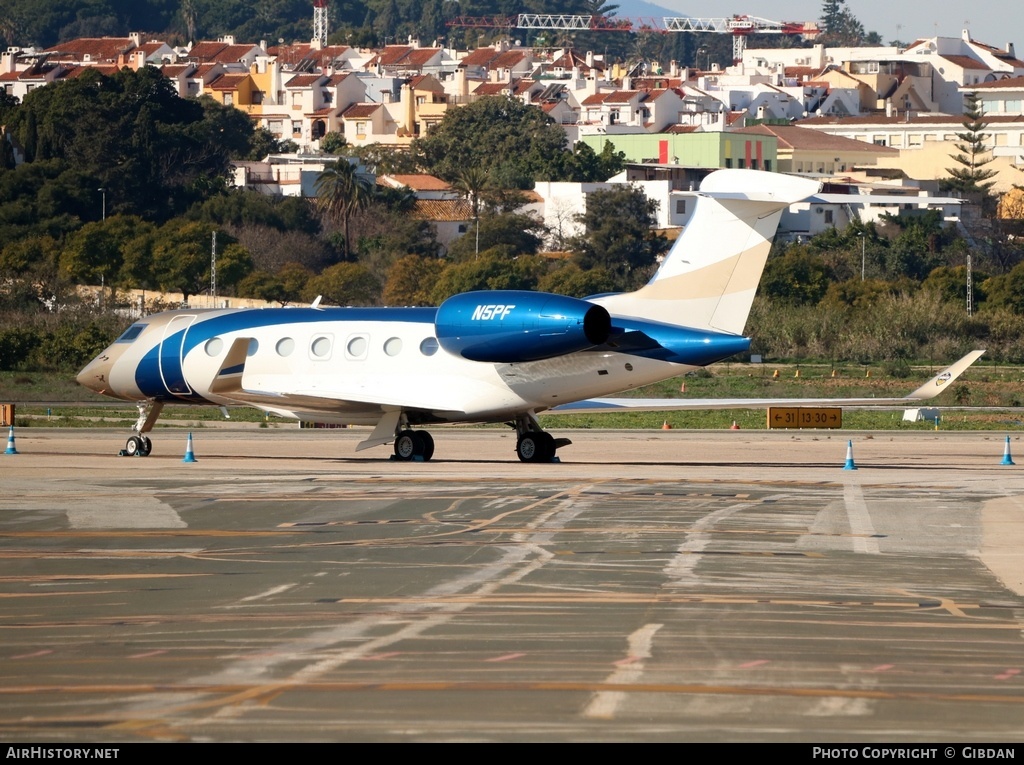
<point>104,193</point>
<point>970,286</point>
<point>863,245</point>
<point>213,270</point>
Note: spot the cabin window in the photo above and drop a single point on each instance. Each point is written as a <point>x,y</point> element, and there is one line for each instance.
<point>321,347</point>
<point>214,346</point>
<point>254,345</point>
<point>285,346</point>
<point>356,347</point>
<point>429,346</point>
<point>393,346</point>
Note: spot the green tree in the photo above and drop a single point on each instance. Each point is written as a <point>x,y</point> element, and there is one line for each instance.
<point>618,235</point>
<point>493,270</point>
<point>340,192</point>
<point>181,257</point>
<point>971,177</point>
<point>1006,290</point>
<point>518,233</point>
<point>798,277</point>
<point>514,143</point>
<point>345,284</point>
<point>411,280</point>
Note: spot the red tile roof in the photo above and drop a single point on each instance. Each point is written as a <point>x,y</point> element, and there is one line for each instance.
<point>418,182</point>
<point>448,210</point>
<point>97,48</point>
<point>793,137</point>
<point>360,111</point>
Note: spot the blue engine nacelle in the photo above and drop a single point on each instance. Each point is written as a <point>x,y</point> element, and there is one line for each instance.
<point>509,326</point>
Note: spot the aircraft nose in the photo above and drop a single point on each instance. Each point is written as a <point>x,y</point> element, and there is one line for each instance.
<point>96,374</point>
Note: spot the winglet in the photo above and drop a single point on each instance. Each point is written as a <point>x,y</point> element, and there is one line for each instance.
<point>937,384</point>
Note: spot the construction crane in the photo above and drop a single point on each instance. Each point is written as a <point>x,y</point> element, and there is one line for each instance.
<point>739,26</point>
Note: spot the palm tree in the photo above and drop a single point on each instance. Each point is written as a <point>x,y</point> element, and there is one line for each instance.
<point>340,192</point>
<point>471,182</point>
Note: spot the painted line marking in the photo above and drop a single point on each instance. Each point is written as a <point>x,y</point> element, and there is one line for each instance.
<point>506,657</point>
<point>33,655</point>
<point>146,655</point>
<point>1008,674</point>
<point>755,663</point>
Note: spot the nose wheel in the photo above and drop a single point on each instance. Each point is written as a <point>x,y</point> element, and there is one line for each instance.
<point>138,446</point>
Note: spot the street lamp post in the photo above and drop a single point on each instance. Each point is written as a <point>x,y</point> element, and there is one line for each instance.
<point>863,245</point>
<point>104,193</point>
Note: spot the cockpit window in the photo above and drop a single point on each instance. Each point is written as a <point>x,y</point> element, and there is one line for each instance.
<point>131,333</point>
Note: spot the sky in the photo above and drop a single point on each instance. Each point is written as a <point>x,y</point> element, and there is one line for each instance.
<point>992,23</point>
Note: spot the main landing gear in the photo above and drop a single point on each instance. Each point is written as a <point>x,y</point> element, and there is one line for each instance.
<point>139,445</point>
<point>534,444</point>
<point>414,445</point>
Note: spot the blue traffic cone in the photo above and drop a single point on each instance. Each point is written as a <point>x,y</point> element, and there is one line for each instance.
<point>189,454</point>
<point>10,442</point>
<point>1007,459</point>
<point>849,457</point>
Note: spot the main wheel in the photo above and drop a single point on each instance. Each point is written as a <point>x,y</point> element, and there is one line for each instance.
<point>426,444</point>
<point>134,447</point>
<point>408,445</point>
<point>147,446</point>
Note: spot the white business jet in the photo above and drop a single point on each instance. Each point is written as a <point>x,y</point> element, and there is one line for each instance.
<point>498,356</point>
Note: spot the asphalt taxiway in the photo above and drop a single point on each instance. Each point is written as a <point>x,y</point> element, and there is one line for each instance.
<point>653,586</point>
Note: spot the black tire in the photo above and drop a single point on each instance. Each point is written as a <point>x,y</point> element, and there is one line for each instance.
<point>134,447</point>
<point>547,443</point>
<point>408,446</point>
<point>426,444</point>
<point>147,446</point>
<point>536,447</point>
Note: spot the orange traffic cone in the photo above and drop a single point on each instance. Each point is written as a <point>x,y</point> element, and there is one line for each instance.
<point>666,426</point>
<point>734,426</point>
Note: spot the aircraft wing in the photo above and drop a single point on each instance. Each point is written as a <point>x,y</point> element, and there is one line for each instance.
<point>930,389</point>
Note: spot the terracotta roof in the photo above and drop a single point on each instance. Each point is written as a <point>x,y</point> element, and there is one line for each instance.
<point>303,81</point>
<point>624,96</point>
<point>901,119</point>
<point>227,82</point>
<point>492,89</point>
<point>965,62</point>
<point>677,129</point>
<point>508,60</point>
<point>416,182</point>
<point>655,82</point>
<point>426,82</point>
<point>596,98</point>
<point>1010,83</point>
<point>479,57</point>
<point>175,70</point>
<point>97,48</point>
<point>449,210</point>
<point>324,112</point>
<point>392,54</point>
<point>421,56</point>
<point>792,137</point>
<point>72,72</point>
<point>360,111</point>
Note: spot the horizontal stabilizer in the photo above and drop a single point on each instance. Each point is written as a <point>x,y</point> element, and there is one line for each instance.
<point>930,389</point>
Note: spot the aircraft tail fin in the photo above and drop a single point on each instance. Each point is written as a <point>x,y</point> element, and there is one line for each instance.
<point>709,277</point>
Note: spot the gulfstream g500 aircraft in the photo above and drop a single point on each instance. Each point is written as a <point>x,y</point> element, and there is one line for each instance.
<point>500,356</point>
